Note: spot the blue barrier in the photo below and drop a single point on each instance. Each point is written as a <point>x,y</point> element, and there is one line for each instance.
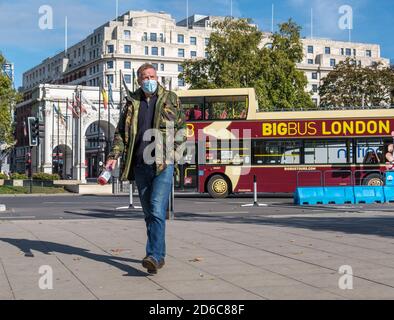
<point>338,195</point>
<point>309,196</point>
<point>389,194</point>
<point>390,178</point>
<point>368,194</point>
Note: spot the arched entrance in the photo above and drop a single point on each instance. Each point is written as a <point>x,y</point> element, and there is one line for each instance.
<point>97,146</point>
<point>62,161</point>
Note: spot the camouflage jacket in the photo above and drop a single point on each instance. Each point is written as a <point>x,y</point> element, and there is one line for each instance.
<point>167,112</point>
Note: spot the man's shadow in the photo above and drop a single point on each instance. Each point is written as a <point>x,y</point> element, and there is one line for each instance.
<point>45,247</point>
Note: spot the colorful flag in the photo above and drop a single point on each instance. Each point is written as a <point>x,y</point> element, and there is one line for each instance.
<point>105,98</point>
<point>88,102</point>
<point>110,96</point>
<point>80,104</point>
<point>71,107</point>
<point>59,114</point>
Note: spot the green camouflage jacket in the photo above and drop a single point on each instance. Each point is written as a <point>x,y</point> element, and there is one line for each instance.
<point>167,111</point>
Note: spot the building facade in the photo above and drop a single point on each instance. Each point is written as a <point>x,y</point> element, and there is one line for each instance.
<point>70,144</point>
<point>125,44</point>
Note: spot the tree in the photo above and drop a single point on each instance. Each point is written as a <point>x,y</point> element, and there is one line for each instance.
<point>8,98</point>
<point>350,85</point>
<point>236,58</point>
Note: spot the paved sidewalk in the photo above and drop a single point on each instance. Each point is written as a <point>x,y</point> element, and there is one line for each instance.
<point>278,257</point>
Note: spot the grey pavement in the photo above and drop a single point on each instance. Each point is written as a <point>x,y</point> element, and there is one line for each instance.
<point>215,250</point>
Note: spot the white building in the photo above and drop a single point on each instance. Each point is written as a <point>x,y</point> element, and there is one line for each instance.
<point>135,38</point>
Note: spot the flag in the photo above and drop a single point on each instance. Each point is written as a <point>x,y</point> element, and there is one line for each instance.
<point>88,102</point>
<point>59,114</point>
<point>71,107</point>
<point>126,88</point>
<point>80,104</point>
<point>136,85</point>
<point>110,96</point>
<point>105,98</point>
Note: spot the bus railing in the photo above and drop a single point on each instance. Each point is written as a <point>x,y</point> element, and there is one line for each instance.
<point>356,177</point>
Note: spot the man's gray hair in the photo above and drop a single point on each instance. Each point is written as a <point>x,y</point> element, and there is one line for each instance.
<point>143,68</point>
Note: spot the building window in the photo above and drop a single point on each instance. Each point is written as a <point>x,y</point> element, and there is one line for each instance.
<point>127,65</point>
<point>348,52</point>
<point>310,61</point>
<point>181,38</point>
<point>127,78</point>
<point>314,75</point>
<point>354,52</point>
<point>181,82</point>
<point>193,54</point>
<point>161,66</point>
<point>180,68</point>
<point>145,38</point>
<point>193,41</point>
<point>315,101</point>
<point>110,79</point>
<point>155,51</point>
<point>110,48</point>
<point>110,64</point>
<point>153,37</point>
<point>332,62</point>
<point>369,53</point>
<point>342,51</point>
<point>206,41</point>
<point>127,49</point>
<point>161,37</point>
<point>327,50</point>
<point>206,55</point>
<point>127,34</point>
<point>162,52</point>
<point>314,88</point>
<point>156,66</point>
<point>181,53</point>
<point>310,49</point>
<point>146,51</point>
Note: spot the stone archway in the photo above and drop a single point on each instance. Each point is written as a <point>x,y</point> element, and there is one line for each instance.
<point>62,161</point>
<point>98,140</point>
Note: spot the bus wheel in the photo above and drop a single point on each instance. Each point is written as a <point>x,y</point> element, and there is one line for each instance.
<point>218,187</point>
<point>374,179</point>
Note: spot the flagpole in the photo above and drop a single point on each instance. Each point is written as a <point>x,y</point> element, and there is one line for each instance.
<point>53,133</point>
<point>109,119</point>
<point>72,140</point>
<point>66,144</point>
<point>58,133</point>
<point>80,136</point>
<point>98,130</point>
<point>272,18</point>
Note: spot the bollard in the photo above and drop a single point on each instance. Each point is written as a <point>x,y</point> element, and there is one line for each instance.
<point>171,202</point>
<point>131,204</point>
<point>255,203</point>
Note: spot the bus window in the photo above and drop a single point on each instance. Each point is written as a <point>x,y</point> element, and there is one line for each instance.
<point>193,108</point>
<point>234,152</point>
<point>327,152</point>
<point>226,108</point>
<point>370,151</point>
<point>276,152</point>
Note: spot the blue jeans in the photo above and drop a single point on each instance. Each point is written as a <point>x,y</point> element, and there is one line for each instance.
<point>154,192</point>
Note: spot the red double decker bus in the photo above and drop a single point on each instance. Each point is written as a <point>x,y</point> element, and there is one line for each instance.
<point>231,142</point>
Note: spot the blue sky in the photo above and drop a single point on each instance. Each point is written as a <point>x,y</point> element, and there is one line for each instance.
<point>25,44</point>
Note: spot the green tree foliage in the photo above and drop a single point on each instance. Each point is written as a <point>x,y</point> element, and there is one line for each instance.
<point>350,85</point>
<point>8,97</point>
<point>236,58</point>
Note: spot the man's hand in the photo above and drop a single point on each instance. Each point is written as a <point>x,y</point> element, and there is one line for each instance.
<point>110,165</point>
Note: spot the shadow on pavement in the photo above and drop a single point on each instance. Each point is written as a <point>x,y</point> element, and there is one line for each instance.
<point>45,247</point>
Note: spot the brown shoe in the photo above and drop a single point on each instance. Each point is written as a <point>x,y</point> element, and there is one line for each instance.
<point>151,265</point>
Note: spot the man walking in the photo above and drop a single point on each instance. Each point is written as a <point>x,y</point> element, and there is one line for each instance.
<point>152,116</point>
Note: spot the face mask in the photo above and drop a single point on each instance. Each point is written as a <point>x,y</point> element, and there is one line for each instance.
<point>149,86</point>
